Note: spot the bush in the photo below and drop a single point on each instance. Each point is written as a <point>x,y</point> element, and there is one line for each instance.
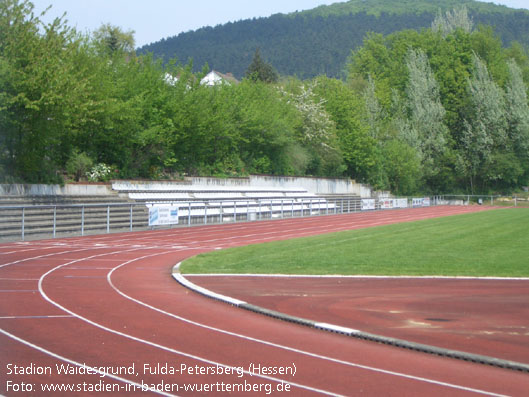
<point>78,164</point>
<point>100,173</point>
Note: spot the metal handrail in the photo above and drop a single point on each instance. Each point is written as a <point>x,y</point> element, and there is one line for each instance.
<point>194,212</point>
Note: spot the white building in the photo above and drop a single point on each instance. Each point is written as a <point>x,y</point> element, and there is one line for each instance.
<point>214,78</point>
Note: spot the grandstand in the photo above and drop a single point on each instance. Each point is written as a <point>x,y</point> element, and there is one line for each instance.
<point>218,204</point>
<point>40,211</point>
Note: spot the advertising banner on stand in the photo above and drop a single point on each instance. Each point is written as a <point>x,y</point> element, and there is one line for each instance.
<point>163,214</point>
<point>386,204</point>
<point>417,202</point>
<point>368,204</point>
<point>421,202</point>
<point>400,203</point>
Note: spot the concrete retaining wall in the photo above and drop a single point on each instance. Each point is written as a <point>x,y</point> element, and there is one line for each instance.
<point>55,190</point>
<point>312,185</point>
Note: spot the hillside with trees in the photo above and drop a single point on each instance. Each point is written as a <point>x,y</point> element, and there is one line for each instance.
<point>440,110</point>
<point>319,41</point>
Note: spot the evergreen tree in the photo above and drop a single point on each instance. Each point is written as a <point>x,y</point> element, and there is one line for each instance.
<point>113,39</point>
<point>260,70</point>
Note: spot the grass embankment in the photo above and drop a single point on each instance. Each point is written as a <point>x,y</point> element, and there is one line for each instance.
<point>490,243</point>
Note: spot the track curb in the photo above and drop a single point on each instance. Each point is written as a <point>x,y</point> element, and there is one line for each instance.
<point>401,343</point>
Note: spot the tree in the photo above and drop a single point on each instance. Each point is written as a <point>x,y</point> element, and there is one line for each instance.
<point>518,111</point>
<point>375,113</point>
<point>402,167</point>
<point>485,128</point>
<point>260,70</point>
<point>356,145</point>
<point>113,39</point>
<point>518,117</point>
<point>43,92</point>
<point>426,113</point>
<point>316,130</point>
<point>452,20</point>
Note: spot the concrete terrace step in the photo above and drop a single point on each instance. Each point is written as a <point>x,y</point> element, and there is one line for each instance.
<point>61,200</point>
<point>67,215</point>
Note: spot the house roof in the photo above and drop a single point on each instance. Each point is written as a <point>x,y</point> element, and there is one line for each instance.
<point>215,77</point>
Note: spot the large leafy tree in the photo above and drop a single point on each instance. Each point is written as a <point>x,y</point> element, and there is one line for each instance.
<point>425,113</point>
<point>42,89</point>
<point>485,131</point>
<point>357,146</point>
<point>452,20</point>
<point>517,124</point>
<point>316,131</point>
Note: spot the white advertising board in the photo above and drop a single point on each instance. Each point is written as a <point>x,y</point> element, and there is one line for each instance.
<point>163,215</point>
<point>368,204</point>
<point>400,203</point>
<point>386,204</point>
<point>417,202</point>
<point>421,202</point>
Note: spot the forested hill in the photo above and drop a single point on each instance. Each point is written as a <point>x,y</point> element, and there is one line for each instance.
<point>319,41</point>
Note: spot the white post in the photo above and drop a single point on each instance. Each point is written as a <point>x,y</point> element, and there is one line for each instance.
<point>23,213</point>
<point>54,220</point>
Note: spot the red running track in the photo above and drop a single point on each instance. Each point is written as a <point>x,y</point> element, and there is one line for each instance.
<point>110,303</point>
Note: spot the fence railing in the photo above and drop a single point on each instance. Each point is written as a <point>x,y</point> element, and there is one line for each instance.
<point>20,222</point>
<point>484,199</point>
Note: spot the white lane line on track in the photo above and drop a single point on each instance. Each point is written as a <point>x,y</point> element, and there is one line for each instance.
<point>18,279</point>
<point>23,249</point>
<point>291,349</point>
<point>156,345</point>
<point>41,256</point>
<point>78,364</point>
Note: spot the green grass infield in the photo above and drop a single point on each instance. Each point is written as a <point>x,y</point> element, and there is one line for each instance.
<point>486,244</point>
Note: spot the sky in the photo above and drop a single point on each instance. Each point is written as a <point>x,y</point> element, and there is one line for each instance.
<point>154,20</point>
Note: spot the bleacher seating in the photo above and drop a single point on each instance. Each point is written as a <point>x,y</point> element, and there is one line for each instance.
<point>64,215</point>
<point>227,203</point>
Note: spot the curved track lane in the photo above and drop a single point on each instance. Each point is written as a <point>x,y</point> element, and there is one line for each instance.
<point>109,302</point>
